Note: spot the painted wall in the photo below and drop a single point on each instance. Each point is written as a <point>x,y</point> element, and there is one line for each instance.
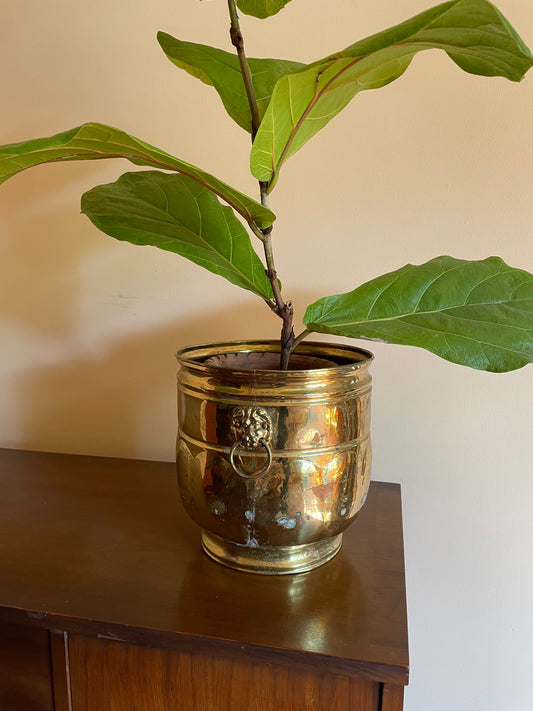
<point>438,162</point>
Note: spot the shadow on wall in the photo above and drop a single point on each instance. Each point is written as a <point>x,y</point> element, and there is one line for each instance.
<point>118,399</point>
<point>121,402</point>
<point>43,247</point>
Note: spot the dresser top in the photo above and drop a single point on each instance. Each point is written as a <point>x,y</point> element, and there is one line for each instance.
<point>102,546</point>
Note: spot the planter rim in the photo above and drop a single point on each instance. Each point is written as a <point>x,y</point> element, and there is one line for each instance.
<point>350,357</point>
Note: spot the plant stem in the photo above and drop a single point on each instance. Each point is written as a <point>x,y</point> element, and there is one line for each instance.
<point>238,42</point>
<point>282,309</point>
<point>300,337</point>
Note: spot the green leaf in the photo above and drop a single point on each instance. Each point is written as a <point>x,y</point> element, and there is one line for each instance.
<point>180,215</point>
<point>221,70</point>
<point>261,8</point>
<point>93,141</point>
<point>478,314</point>
<point>472,32</point>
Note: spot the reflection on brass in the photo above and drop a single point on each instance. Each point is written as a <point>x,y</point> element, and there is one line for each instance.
<point>273,465</point>
<point>271,559</point>
<point>259,472</point>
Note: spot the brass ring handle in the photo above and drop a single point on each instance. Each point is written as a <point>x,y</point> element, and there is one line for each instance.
<point>259,472</point>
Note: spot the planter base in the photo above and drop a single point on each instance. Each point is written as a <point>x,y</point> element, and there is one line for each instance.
<point>267,560</point>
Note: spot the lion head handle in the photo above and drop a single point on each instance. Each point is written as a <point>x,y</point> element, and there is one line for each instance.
<point>251,426</point>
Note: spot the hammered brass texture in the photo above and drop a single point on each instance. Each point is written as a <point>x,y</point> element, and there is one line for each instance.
<point>319,435</point>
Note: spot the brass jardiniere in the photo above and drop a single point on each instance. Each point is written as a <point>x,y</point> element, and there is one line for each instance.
<point>273,465</point>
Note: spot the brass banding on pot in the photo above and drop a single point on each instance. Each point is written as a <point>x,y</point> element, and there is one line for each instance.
<point>318,451</point>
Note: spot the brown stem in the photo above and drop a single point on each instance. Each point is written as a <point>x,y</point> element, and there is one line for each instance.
<point>279,307</point>
<point>287,336</point>
<point>238,42</point>
<point>282,309</point>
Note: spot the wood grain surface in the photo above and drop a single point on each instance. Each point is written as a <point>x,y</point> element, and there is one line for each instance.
<point>129,678</point>
<point>101,547</point>
<point>25,672</point>
<point>392,698</point>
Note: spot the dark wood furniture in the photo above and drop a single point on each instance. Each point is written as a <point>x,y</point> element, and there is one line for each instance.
<point>108,604</point>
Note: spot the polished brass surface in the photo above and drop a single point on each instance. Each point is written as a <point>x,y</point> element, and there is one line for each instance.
<point>258,472</point>
<point>313,424</point>
<point>271,560</point>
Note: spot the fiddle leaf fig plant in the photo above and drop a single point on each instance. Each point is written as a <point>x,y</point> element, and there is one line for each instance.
<point>475,313</point>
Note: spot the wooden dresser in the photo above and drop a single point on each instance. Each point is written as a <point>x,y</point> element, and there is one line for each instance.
<point>107,602</point>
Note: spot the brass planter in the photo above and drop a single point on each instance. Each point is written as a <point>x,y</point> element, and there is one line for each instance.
<point>273,465</point>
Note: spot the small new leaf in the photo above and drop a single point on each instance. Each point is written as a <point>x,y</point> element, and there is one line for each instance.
<point>179,215</point>
<point>261,8</point>
<point>475,313</point>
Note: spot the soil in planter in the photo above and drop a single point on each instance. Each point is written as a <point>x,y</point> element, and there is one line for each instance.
<point>267,361</point>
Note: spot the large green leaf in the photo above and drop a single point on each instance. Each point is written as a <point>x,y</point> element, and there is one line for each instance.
<point>261,8</point>
<point>221,70</point>
<point>94,141</point>
<point>180,215</point>
<point>478,314</point>
<point>472,32</point>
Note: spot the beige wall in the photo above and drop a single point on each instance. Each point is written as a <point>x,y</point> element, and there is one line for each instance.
<point>438,162</point>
